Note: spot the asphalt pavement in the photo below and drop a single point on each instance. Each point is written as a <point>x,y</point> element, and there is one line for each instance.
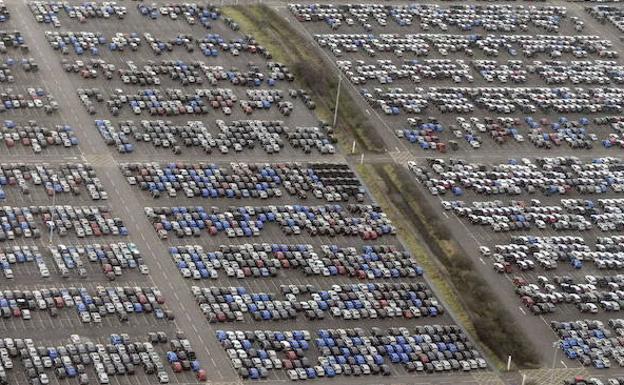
<point>128,203</point>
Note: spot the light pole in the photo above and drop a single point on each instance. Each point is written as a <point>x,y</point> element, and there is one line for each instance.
<point>53,211</point>
<point>552,371</point>
<point>337,100</point>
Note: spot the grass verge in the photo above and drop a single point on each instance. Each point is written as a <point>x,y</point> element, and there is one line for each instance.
<point>291,47</point>
<point>467,295</point>
<point>450,270</point>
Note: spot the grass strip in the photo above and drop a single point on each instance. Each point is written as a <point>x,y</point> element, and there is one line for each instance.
<point>289,46</point>
<point>451,271</point>
<point>468,296</point>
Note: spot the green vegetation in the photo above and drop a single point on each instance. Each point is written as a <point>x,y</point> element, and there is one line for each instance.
<point>291,47</point>
<point>463,290</point>
<point>452,273</point>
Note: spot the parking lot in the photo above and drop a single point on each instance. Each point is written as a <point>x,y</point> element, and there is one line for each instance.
<point>559,270</point>
<point>526,169</point>
<point>416,64</point>
<point>162,172</point>
<point>163,179</point>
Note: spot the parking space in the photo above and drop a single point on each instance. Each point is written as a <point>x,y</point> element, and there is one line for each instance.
<point>346,302</point>
<point>163,177</point>
<point>289,351</point>
<point>297,260</point>
<point>559,252</point>
<point>451,68</point>
<point>72,262</point>
<point>279,183</point>
<point>511,126</point>
<point>85,359</point>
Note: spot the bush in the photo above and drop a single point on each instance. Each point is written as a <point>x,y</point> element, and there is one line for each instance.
<point>311,72</point>
<point>494,326</point>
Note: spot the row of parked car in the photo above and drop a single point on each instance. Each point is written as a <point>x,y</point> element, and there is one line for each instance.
<point>590,295</point>
<point>118,355</point>
<point>576,134</point>
<point>415,45</point>
<point>548,176</point>
<point>83,221</point>
<point>428,348</point>
<point>113,258</point>
<point>266,260</point>
<point>83,42</point>
<point>174,102</point>
<point>502,100</point>
<point>4,12</point>
<point>33,99</point>
<point>366,221</point>
<point>581,380</point>
<point>237,136</point>
<point>36,136</point>
<point>528,252</point>
<point>63,178</point>
<point>347,301</point>
<point>541,294</point>
<point>186,73</point>
<point>570,214</point>
<point>385,71</point>
<point>91,305</point>
<point>543,133</point>
<point>12,66</point>
<point>17,255</point>
<point>48,12</point>
<point>591,342</point>
<point>12,40</point>
<point>490,17</point>
<point>554,71</point>
<point>190,13</point>
<point>325,181</point>
<point>608,13</point>
<point>210,45</point>
<point>253,353</point>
